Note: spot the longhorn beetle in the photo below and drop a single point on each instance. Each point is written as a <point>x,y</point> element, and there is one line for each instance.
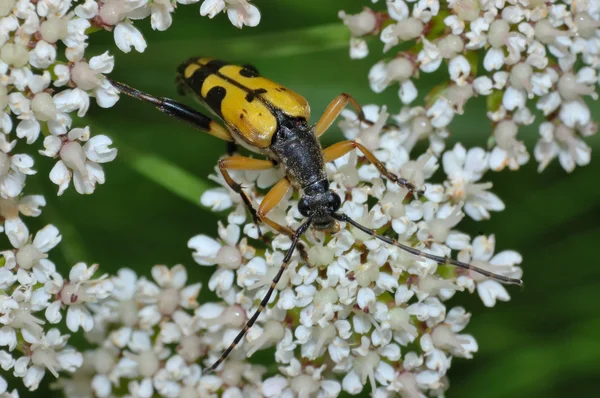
<point>272,120</point>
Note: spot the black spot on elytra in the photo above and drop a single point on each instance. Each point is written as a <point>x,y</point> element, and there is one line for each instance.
<point>252,94</point>
<point>214,98</point>
<point>241,116</point>
<point>249,71</point>
<point>280,89</point>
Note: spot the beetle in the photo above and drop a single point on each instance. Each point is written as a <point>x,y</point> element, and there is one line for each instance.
<point>272,120</point>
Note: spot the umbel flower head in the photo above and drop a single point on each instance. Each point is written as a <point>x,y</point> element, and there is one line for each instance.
<point>360,311</point>
<point>361,314</point>
<point>534,61</point>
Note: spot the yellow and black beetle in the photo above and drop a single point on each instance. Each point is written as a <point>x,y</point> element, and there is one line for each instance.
<point>268,118</point>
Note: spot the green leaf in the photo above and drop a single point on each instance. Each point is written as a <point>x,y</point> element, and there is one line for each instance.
<point>165,173</point>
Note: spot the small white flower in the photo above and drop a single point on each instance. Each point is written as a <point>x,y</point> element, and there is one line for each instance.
<point>127,37</point>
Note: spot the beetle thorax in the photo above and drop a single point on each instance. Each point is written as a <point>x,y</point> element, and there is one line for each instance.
<point>299,152</point>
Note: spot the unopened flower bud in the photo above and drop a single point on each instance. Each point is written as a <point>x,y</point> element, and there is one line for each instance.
<point>360,24</point>
<point>458,96</point>
<point>366,274</point>
<point>400,69</point>
<point>14,54</point>
<point>229,257</point>
<point>113,11</point>
<point>546,33</point>
<point>409,29</point>
<point>505,133</point>
<point>586,25</point>
<point>520,76</point>
<point>304,386</point>
<point>28,256</point>
<point>498,33</point>
<point>104,361</point>
<point>232,372</point>
<point>563,133</point>
<point>168,301</point>
<point>54,29</point>
<point>190,348</point>
<point>450,46</point>
<point>43,107</point>
<point>467,10</point>
<point>73,156</point>
<point>272,333</point>
<point>421,125</point>
<point>84,76</point>
<point>570,89</point>
<point>443,337</point>
<point>6,7</point>
<point>148,363</point>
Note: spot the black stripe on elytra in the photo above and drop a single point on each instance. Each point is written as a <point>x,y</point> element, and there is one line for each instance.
<point>214,98</point>
<point>196,80</point>
<point>254,93</point>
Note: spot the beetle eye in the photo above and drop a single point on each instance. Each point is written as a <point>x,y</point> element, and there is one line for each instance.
<point>303,206</point>
<point>333,202</point>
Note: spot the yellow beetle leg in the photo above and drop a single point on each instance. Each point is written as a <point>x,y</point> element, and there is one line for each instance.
<point>339,149</point>
<point>178,111</point>
<point>243,163</point>
<point>271,199</point>
<point>334,109</point>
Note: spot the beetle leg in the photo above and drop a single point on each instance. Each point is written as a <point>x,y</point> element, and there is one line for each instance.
<point>271,199</point>
<point>177,110</point>
<point>334,109</point>
<point>243,163</point>
<point>339,149</point>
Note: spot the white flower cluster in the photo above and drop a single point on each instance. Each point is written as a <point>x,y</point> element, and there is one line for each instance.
<point>148,340</point>
<point>363,312</point>
<point>34,296</point>
<point>46,82</point>
<point>526,56</point>
<point>39,92</point>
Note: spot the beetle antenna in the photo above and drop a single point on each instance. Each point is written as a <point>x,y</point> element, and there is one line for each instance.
<point>135,93</point>
<point>170,107</point>
<point>286,260</point>
<point>420,253</point>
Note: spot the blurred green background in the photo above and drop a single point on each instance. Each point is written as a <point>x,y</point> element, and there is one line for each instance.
<point>543,343</point>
